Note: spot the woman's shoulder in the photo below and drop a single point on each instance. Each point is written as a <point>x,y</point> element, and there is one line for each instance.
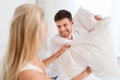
<point>31,72</point>
<point>31,75</point>
<point>30,66</point>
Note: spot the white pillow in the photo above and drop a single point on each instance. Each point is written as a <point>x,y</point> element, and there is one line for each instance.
<point>84,20</point>
<point>94,49</point>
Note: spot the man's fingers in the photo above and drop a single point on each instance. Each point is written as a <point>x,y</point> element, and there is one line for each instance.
<point>98,17</point>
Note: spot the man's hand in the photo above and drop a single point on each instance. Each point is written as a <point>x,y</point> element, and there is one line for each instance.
<point>83,75</point>
<point>98,17</point>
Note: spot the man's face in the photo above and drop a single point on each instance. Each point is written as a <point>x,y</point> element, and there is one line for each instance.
<point>64,27</point>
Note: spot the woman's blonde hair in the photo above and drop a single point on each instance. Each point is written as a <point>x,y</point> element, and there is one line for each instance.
<point>26,35</point>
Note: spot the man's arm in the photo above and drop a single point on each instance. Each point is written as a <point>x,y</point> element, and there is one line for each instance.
<point>83,75</point>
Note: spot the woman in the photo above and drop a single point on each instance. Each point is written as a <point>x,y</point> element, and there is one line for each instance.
<point>27,32</point>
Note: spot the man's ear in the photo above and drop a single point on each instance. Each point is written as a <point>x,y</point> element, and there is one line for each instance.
<point>72,22</point>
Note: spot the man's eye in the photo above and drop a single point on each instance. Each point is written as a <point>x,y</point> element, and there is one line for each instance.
<point>64,24</point>
<point>58,26</point>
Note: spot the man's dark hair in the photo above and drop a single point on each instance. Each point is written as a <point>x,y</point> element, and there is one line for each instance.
<point>61,14</point>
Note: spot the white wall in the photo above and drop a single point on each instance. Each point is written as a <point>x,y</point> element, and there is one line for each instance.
<point>115,25</point>
<point>7,8</point>
<point>96,6</point>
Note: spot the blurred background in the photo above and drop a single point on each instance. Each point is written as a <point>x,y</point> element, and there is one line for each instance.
<point>102,7</point>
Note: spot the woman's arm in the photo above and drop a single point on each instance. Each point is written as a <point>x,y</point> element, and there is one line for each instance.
<point>83,75</point>
<point>50,59</point>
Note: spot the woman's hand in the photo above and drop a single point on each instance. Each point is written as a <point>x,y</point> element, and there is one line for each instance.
<point>63,49</point>
<point>50,59</point>
<point>83,75</point>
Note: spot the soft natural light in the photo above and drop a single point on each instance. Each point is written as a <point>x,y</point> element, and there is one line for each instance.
<point>102,7</point>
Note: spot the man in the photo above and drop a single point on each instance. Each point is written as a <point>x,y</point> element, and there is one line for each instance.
<point>64,23</point>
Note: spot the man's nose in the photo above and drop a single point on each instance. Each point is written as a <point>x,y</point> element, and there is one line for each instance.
<point>62,28</point>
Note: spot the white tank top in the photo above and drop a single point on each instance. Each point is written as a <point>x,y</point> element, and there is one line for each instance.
<point>30,66</point>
